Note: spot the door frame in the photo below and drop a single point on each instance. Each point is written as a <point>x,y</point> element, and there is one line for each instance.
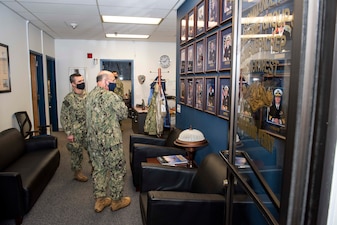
<point>52,94</point>
<point>37,87</point>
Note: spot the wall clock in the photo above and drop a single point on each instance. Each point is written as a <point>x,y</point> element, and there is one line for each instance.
<point>164,61</point>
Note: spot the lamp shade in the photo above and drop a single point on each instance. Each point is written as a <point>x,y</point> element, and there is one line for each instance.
<point>190,138</point>
<point>191,135</point>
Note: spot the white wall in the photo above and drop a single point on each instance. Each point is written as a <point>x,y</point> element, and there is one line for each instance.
<point>19,35</point>
<point>145,55</point>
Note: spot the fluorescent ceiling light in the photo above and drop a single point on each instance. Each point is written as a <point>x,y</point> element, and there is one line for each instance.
<point>126,19</point>
<point>143,36</point>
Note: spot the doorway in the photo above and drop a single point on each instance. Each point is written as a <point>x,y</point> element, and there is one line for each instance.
<point>52,96</point>
<point>37,86</point>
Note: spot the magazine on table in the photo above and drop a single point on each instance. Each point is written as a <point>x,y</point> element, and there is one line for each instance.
<point>172,160</point>
<point>241,162</point>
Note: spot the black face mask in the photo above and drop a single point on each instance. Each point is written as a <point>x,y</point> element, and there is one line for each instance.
<point>80,86</point>
<point>112,86</point>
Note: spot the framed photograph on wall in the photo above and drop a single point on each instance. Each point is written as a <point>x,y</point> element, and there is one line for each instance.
<point>226,10</point>
<point>189,91</point>
<point>213,14</point>
<point>190,25</point>
<point>5,81</point>
<point>199,93</point>
<point>200,18</point>
<point>211,103</point>
<point>190,58</point>
<point>225,42</point>
<point>275,116</point>
<point>224,99</point>
<point>182,61</point>
<point>211,54</point>
<point>199,56</point>
<point>182,90</point>
<point>183,30</point>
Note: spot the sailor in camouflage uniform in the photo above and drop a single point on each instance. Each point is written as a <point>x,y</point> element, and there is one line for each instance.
<point>73,123</point>
<point>119,90</point>
<point>104,111</point>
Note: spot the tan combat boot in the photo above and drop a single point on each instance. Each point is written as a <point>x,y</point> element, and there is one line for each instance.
<point>80,176</point>
<point>118,204</point>
<point>101,203</point>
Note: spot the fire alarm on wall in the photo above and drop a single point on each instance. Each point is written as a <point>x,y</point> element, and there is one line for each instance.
<point>89,55</point>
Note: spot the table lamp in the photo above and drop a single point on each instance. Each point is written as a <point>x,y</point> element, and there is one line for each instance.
<point>190,139</point>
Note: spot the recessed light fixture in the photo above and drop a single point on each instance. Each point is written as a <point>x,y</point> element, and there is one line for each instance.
<point>127,19</point>
<point>138,36</point>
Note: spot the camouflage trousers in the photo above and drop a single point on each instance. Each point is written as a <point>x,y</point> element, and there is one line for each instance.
<point>76,155</point>
<point>109,169</point>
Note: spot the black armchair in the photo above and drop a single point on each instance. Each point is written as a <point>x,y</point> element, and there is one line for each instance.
<point>145,146</point>
<point>180,196</point>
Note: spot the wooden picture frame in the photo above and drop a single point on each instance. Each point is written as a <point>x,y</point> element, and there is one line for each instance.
<point>212,14</point>
<point>226,10</point>
<point>199,86</point>
<point>210,95</point>
<point>212,53</point>
<point>189,91</point>
<point>224,100</point>
<point>191,25</point>
<point>200,18</point>
<point>199,56</point>
<point>5,79</point>
<point>182,65</point>
<point>182,90</point>
<point>225,43</point>
<point>190,58</point>
<point>183,30</point>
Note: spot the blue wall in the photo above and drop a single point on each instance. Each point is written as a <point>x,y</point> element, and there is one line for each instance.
<point>214,128</point>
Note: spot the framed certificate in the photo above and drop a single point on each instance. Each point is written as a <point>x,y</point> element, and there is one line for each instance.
<point>5,81</point>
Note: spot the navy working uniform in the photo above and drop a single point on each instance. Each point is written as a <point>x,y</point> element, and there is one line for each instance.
<point>104,111</point>
<point>73,121</point>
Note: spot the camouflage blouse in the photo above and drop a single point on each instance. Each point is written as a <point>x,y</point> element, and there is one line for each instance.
<point>73,113</point>
<point>104,111</point>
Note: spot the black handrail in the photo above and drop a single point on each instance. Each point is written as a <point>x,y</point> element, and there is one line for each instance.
<point>263,209</point>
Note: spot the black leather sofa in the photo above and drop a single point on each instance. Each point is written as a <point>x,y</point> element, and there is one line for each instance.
<point>180,196</point>
<point>144,146</point>
<point>26,167</point>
